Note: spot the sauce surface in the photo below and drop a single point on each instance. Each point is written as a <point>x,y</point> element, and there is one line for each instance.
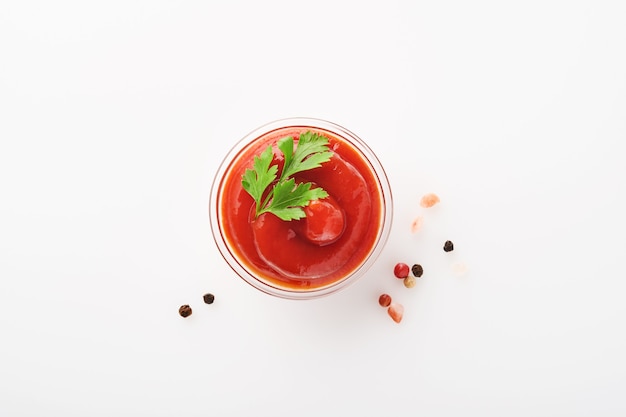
<point>278,252</point>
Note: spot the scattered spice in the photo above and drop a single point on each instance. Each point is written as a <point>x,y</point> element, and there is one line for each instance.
<point>184,310</point>
<point>417,270</point>
<point>208,298</point>
<point>396,311</point>
<point>401,270</point>
<point>448,246</point>
<point>384,300</point>
<point>429,200</point>
<point>416,224</point>
<point>409,282</point>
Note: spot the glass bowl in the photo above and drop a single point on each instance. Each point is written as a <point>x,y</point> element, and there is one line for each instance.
<point>367,224</point>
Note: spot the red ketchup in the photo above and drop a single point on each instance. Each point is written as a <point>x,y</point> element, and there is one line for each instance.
<point>335,237</point>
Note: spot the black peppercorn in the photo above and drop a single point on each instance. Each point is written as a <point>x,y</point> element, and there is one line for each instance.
<point>448,246</point>
<point>208,298</point>
<point>184,310</point>
<point>417,270</point>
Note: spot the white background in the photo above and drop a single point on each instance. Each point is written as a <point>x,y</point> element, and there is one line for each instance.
<point>115,115</point>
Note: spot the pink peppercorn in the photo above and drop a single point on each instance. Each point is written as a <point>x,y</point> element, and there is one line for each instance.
<point>401,270</point>
<point>384,300</point>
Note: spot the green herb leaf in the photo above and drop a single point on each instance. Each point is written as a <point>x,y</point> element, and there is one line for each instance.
<point>311,152</point>
<point>256,181</point>
<point>287,198</point>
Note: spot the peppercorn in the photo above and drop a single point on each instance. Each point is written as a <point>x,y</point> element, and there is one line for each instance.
<point>184,310</point>
<point>409,282</point>
<point>417,270</point>
<point>208,298</point>
<point>384,300</point>
<point>401,270</point>
<point>448,246</point>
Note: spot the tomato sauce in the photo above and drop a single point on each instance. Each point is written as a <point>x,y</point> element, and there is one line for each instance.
<point>277,251</point>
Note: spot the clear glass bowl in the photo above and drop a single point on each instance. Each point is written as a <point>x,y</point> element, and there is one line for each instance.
<point>219,210</point>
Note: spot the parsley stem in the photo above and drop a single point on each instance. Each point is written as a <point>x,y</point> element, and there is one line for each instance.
<point>260,209</point>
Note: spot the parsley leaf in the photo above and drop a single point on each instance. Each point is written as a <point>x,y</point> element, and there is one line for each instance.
<point>286,198</point>
<point>311,152</point>
<point>256,181</point>
<point>289,198</point>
